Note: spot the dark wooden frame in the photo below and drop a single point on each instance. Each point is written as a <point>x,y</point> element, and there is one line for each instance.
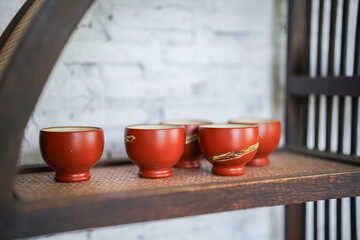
<point>20,90</point>
<point>300,86</point>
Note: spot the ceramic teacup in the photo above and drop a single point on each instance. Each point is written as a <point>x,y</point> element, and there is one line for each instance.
<point>269,137</point>
<point>228,147</point>
<point>71,151</point>
<point>191,156</point>
<point>154,148</point>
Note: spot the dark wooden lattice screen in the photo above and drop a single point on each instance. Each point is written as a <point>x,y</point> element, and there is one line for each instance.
<point>323,89</point>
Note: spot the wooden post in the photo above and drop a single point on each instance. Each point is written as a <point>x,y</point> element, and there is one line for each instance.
<point>295,216</point>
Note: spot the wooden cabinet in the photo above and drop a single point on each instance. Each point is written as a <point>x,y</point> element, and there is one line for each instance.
<point>29,198</point>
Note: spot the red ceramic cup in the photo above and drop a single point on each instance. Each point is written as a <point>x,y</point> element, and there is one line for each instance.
<point>228,146</point>
<point>269,137</point>
<point>191,156</point>
<point>154,148</point>
<point>71,151</point>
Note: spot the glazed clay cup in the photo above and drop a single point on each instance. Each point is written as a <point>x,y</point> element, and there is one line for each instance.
<point>269,137</point>
<point>71,151</point>
<point>191,156</point>
<point>154,148</point>
<point>228,147</point>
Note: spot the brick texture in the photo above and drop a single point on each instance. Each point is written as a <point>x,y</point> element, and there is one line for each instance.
<point>132,62</point>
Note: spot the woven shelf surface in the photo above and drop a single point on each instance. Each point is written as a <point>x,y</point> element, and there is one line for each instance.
<point>123,179</point>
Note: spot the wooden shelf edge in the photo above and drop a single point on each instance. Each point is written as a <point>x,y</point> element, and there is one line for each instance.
<point>180,202</point>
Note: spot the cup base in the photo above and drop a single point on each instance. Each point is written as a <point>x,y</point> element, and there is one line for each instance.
<point>258,162</point>
<point>229,171</point>
<point>155,173</point>
<point>194,163</point>
<point>72,177</point>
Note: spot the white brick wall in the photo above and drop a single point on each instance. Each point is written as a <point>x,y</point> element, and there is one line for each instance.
<point>250,224</point>
<point>142,61</point>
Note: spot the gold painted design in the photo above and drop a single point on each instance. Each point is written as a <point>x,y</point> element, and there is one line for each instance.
<point>130,138</point>
<point>191,138</point>
<point>233,155</point>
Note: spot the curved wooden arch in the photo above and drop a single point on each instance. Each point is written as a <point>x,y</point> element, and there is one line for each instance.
<point>23,79</point>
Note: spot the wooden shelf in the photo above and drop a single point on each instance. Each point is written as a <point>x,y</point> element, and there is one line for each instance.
<point>115,195</point>
<point>121,197</point>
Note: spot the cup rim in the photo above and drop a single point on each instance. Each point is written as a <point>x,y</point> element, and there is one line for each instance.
<point>228,126</point>
<point>153,127</point>
<point>70,129</point>
<point>185,122</point>
<point>253,120</point>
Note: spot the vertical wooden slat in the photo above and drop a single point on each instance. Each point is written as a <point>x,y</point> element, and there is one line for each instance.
<point>329,110</point>
<point>328,131</point>
<point>317,122</point>
<point>357,43</point>
<point>319,43</point>
<point>332,32</point>
<point>353,218</point>
<point>318,72</point>
<point>295,216</point>
<point>354,122</point>
<point>344,34</point>
<point>291,106</point>
<point>338,219</point>
<point>355,99</point>
<point>327,219</point>
<point>308,20</point>
<point>293,121</point>
<point>305,100</point>
<point>299,37</point>
<point>298,64</point>
<point>304,120</point>
<point>315,220</point>
<point>341,124</point>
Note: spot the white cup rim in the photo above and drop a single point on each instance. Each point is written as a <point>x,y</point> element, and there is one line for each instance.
<point>65,129</point>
